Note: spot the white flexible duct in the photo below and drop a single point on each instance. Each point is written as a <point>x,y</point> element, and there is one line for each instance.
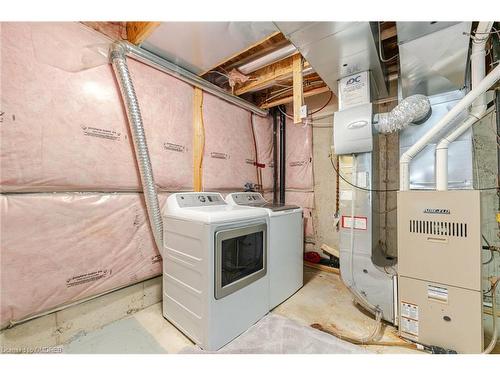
<point>412,109</point>
<point>478,71</point>
<point>119,62</point>
<point>467,100</point>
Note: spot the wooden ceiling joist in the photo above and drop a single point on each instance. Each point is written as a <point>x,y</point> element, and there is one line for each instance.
<point>137,32</point>
<point>264,77</point>
<point>249,52</point>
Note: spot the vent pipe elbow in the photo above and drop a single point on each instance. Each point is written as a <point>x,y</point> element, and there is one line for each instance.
<point>413,109</point>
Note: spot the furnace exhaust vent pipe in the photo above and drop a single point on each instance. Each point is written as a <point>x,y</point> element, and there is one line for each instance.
<point>463,104</point>
<point>119,62</point>
<point>478,71</point>
<point>413,109</point>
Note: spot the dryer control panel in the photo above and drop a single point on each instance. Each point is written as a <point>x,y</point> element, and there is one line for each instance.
<point>248,198</point>
<point>185,200</point>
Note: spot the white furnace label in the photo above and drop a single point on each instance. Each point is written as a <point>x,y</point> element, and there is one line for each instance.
<point>437,293</point>
<point>409,326</point>
<point>409,310</point>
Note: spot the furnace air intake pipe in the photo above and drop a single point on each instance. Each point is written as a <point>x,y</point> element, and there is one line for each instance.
<point>463,104</point>
<point>119,62</point>
<point>478,110</point>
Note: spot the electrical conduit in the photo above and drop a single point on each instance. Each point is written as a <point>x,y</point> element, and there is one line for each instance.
<point>120,68</point>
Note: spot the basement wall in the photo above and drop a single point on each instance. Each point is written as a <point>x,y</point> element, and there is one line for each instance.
<point>73,221</point>
<point>324,176</point>
<point>485,170</point>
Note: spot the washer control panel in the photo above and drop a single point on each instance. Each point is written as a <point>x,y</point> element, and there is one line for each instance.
<point>199,199</point>
<point>248,198</point>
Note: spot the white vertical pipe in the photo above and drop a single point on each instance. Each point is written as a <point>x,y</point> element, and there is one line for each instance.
<point>478,71</point>
<point>467,100</point>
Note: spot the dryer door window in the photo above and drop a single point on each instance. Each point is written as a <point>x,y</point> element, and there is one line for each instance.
<point>240,258</point>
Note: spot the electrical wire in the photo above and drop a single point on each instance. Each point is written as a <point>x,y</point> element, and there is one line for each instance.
<point>220,73</point>
<point>323,106</point>
<point>359,187</point>
<point>380,53</point>
<point>492,255</point>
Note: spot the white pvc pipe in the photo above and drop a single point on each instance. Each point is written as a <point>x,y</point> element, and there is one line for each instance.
<point>467,100</point>
<point>478,71</point>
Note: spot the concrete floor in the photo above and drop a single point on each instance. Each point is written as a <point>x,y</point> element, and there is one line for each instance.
<point>114,324</point>
<point>323,299</point>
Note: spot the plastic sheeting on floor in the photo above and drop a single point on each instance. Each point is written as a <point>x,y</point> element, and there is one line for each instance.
<point>275,334</point>
<point>60,248</point>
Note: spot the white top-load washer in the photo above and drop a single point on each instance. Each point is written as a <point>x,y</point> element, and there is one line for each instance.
<point>215,267</point>
<point>286,249</point>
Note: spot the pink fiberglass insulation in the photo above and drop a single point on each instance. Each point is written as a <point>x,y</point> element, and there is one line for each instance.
<point>62,247</point>
<point>299,168</point>
<point>63,121</point>
<point>263,128</point>
<point>229,156</point>
<point>306,201</point>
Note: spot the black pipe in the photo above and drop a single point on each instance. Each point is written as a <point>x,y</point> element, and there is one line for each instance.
<point>275,156</point>
<point>282,153</point>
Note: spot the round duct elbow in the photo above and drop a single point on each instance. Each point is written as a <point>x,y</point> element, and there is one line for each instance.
<point>413,109</point>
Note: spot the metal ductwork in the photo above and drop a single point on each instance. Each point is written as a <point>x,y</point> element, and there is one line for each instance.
<point>338,49</point>
<point>432,56</point>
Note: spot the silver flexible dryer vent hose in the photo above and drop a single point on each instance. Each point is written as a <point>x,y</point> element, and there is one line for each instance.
<point>119,62</point>
<point>414,108</point>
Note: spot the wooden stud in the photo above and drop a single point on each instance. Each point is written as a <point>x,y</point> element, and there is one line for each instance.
<point>289,99</point>
<point>388,32</point>
<point>298,94</point>
<point>137,32</point>
<point>198,138</point>
<point>330,250</point>
<point>321,267</point>
<point>267,75</point>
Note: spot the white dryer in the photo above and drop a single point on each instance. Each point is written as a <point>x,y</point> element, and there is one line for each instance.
<point>286,244</point>
<point>215,267</point>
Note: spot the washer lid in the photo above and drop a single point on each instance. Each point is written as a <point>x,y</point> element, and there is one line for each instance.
<point>198,207</point>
